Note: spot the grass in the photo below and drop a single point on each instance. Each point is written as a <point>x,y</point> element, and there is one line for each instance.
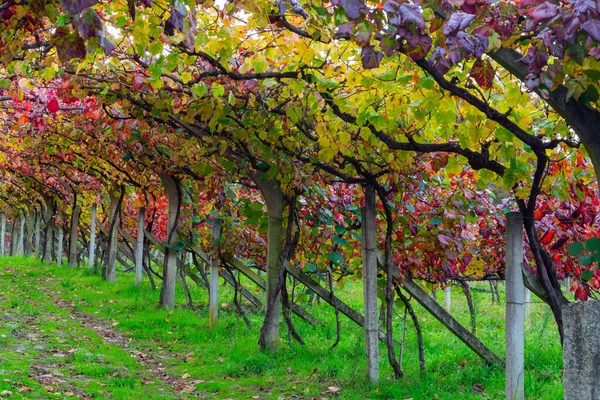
<point>60,355</point>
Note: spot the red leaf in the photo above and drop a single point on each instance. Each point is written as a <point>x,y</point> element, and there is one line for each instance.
<point>483,73</point>
<point>53,105</point>
<point>548,236</point>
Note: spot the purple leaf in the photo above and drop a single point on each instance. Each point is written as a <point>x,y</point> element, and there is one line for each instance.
<point>388,45</point>
<point>76,6</point>
<point>592,27</point>
<point>420,44</point>
<point>535,59</point>
<point>89,24</point>
<point>543,12</point>
<point>147,3</point>
<point>444,239</point>
<point>68,45</point>
<point>175,21</point>
<point>346,29</point>
<point>456,55</point>
<point>584,7</point>
<point>438,61</point>
<point>391,7</point>
<point>106,45</point>
<point>458,22</point>
<point>131,6</point>
<point>411,15</point>
<point>353,8</point>
<point>471,44</point>
<point>370,58</point>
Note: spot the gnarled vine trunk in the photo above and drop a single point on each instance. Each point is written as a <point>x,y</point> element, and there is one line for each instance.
<point>61,236</point>
<point>273,197</point>
<point>108,268</point>
<point>173,191</point>
<point>49,229</point>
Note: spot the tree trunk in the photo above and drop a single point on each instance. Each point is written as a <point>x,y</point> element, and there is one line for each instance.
<point>214,274</point>
<point>2,234</point>
<point>61,236</point>
<point>14,239</point>
<point>74,236</point>
<point>167,292</point>
<point>139,248</point>
<point>273,197</point>
<point>369,247</point>
<point>49,229</point>
<point>92,249</point>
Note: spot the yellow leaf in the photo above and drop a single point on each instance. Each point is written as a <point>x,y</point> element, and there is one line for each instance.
<point>186,77</point>
<point>365,133</point>
<point>324,142</point>
<point>326,154</point>
<point>345,138</point>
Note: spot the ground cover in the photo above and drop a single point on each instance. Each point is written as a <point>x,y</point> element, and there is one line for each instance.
<point>65,333</point>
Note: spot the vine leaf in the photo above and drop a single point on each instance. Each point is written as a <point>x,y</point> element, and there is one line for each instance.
<point>68,45</point>
<point>483,73</point>
<point>76,6</point>
<point>370,58</point>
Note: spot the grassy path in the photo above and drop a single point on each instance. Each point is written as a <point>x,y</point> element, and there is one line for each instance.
<point>50,350</point>
<point>66,334</point>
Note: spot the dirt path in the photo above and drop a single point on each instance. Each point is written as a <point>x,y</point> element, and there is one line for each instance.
<point>48,349</point>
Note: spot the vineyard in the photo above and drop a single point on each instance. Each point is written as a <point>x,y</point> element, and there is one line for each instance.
<point>306,172</point>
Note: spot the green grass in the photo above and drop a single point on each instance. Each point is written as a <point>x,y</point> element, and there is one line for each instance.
<point>224,362</point>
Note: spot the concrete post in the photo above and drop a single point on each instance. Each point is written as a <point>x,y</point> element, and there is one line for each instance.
<point>139,247</point>
<point>2,234</point>
<point>213,303</point>
<point>527,305</point>
<point>581,350</point>
<point>447,298</point>
<point>369,248</point>
<point>515,338</point>
<point>92,249</point>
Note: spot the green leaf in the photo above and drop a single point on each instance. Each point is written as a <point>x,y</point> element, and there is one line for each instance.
<point>156,48</point>
<point>217,90</point>
<point>592,74</point>
<point>336,257</point>
<point>199,90</point>
<point>340,229</point>
<point>575,249</point>
<point>310,267</point>
<point>586,259</point>
<point>592,244</point>
<point>340,241</point>
<point>435,221</point>
<point>587,275</point>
